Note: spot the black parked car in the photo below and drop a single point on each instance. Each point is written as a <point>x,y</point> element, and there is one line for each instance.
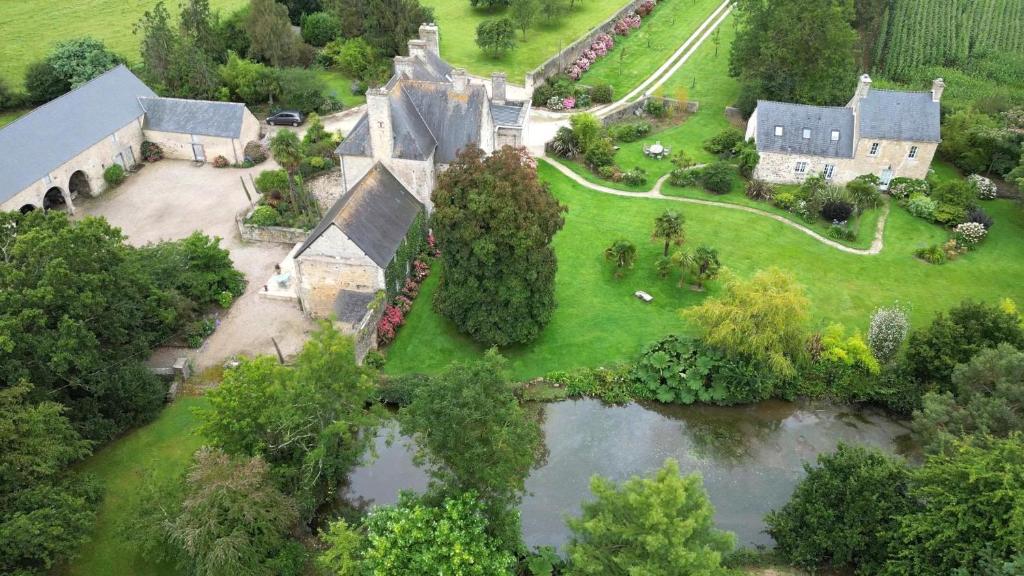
<point>287,118</point>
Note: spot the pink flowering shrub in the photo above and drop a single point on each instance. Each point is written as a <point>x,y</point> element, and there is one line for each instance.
<point>411,288</point>
<point>583,63</point>
<point>608,40</point>
<point>646,7</point>
<point>574,72</point>
<point>590,55</point>
<point>621,28</point>
<point>404,304</point>
<point>432,244</point>
<point>388,326</point>
<point>420,270</point>
<point>569,103</point>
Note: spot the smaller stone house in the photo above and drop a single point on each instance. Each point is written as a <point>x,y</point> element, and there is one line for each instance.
<point>198,129</point>
<point>886,133</point>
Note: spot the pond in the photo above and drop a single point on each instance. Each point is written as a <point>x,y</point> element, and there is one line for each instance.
<point>751,457</point>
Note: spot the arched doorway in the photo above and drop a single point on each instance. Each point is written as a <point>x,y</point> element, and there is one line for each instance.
<point>26,208</point>
<point>79,185</point>
<point>54,199</point>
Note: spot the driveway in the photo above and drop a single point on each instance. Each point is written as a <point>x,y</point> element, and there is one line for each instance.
<point>171,199</point>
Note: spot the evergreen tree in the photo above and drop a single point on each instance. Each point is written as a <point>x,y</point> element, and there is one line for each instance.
<point>494,221</point>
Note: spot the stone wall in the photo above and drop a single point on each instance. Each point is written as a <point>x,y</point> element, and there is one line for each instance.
<point>366,335</point>
<point>637,109</point>
<point>781,168</point>
<point>274,234</point>
<point>331,264</point>
<point>559,62</point>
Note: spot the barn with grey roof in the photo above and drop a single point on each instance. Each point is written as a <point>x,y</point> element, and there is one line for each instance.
<point>886,133</point>
<point>60,150</point>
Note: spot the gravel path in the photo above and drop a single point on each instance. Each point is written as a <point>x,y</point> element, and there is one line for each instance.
<point>876,244</point>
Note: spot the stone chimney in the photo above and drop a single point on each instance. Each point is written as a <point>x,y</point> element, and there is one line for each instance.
<point>403,65</point>
<point>938,85</point>
<point>417,48</point>
<point>378,112</point>
<point>498,88</point>
<point>430,34</point>
<point>863,87</point>
<point>460,79</point>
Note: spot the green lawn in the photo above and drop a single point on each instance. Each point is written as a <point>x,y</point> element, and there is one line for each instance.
<point>32,27</point>
<point>705,76</point>
<point>458,21</point>
<point>8,116</point>
<point>341,86</point>
<point>163,447</point>
<point>599,322</point>
<point>637,56</point>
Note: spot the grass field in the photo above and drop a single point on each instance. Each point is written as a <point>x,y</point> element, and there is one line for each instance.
<point>458,21</point>
<point>163,447</point>
<point>599,322</point>
<point>341,86</point>
<point>32,27</point>
<point>637,56</point>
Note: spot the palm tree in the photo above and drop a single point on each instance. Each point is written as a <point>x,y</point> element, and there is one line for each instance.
<point>287,151</point>
<point>705,265</point>
<point>669,226</point>
<point>684,260</point>
<point>622,253</point>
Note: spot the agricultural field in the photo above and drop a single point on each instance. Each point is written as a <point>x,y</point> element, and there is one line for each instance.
<point>918,34</point>
<point>458,21</point>
<point>598,321</point>
<point>32,27</point>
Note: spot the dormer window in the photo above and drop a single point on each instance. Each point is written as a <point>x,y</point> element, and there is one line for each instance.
<point>835,135</point>
<point>778,130</point>
<point>807,133</point>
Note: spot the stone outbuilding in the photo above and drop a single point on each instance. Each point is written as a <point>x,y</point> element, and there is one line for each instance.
<point>886,133</point>
<point>60,150</point>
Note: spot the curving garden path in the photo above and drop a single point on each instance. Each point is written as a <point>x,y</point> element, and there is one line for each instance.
<point>655,193</point>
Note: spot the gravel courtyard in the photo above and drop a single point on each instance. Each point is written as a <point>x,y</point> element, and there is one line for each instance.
<point>171,199</point>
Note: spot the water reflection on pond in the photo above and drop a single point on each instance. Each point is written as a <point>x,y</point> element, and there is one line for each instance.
<point>750,457</point>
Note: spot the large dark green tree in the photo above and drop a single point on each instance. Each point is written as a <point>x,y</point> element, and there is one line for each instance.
<point>844,512</point>
<point>494,221</point>
<point>795,51</point>
<point>70,64</point>
<point>46,509</point>
<point>271,38</point>
<point>387,25</point>
<point>970,512</point>
<point>472,433</point>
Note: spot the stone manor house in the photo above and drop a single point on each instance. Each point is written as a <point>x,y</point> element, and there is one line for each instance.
<point>886,133</point>
<point>413,128</point>
<point>59,151</point>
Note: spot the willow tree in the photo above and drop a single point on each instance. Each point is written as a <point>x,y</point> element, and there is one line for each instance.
<point>762,318</point>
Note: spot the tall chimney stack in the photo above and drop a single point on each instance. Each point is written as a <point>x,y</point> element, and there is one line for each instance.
<point>460,80</point>
<point>430,34</point>
<point>938,86</point>
<point>378,115</point>
<point>498,88</point>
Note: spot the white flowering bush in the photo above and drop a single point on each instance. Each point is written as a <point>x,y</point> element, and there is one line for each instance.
<point>985,187</point>
<point>555,103</point>
<point>970,234</point>
<point>901,188</point>
<point>889,328</point>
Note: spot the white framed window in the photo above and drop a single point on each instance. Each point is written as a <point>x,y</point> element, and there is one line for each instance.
<point>801,168</point>
<point>835,135</point>
<point>874,149</point>
<point>913,152</point>
<point>778,130</point>
<point>807,133</point>
<point>829,171</point>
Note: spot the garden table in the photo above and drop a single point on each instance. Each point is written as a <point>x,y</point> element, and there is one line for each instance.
<point>657,150</point>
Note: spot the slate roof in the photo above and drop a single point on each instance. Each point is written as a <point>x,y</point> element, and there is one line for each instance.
<point>351,306</point>
<point>454,119</point>
<point>505,115</point>
<point>794,118</point>
<point>890,115</point>
<point>357,143</point>
<point>201,117</point>
<point>413,139</point>
<point>37,143</point>
<point>375,214</point>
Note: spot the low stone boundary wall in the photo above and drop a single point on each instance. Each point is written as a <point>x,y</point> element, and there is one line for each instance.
<point>559,62</point>
<point>274,234</point>
<point>636,109</point>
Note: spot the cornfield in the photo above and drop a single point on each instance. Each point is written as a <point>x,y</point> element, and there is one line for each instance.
<point>923,33</point>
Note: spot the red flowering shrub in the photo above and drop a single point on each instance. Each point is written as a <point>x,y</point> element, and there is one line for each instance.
<point>411,288</point>
<point>432,243</point>
<point>387,328</point>
<point>420,270</point>
<point>404,304</point>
